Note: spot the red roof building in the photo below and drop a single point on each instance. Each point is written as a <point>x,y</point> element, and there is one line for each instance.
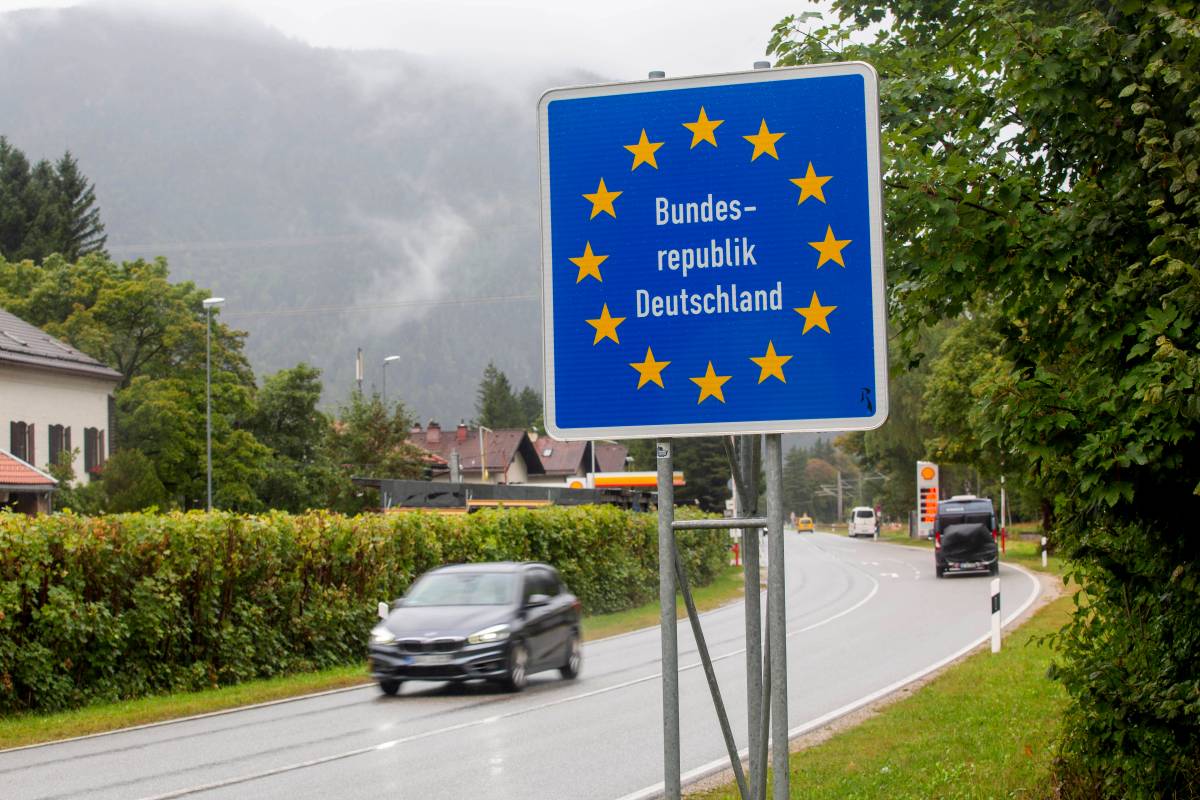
<point>23,487</point>
<point>508,455</point>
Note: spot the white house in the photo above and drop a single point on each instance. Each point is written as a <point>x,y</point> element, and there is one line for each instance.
<point>52,398</point>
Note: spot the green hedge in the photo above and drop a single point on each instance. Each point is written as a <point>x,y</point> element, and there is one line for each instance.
<point>116,607</point>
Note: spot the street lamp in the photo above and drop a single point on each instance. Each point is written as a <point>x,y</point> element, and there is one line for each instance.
<point>387,361</point>
<point>208,304</point>
<point>482,453</point>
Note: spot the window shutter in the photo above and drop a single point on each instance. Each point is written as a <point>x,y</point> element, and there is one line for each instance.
<point>55,442</point>
<point>89,449</point>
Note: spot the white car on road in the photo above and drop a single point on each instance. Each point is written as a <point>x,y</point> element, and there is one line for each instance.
<point>863,521</point>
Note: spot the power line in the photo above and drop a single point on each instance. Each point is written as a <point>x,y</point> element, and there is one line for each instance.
<point>298,311</point>
<point>240,244</point>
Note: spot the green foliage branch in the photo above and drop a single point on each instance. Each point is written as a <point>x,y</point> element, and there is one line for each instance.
<point>1043,162</point>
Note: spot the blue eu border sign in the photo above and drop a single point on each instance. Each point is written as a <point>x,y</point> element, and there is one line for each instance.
<point>712,255</point>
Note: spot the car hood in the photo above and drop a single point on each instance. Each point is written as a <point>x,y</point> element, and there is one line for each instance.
<point>429,622</point>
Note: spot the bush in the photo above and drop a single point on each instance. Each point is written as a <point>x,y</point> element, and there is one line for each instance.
<point>121,606</point>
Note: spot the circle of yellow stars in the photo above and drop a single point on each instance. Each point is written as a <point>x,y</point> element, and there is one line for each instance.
<point>603,201</point>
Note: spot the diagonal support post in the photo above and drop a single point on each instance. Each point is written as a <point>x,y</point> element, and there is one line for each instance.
<point>714,688</point>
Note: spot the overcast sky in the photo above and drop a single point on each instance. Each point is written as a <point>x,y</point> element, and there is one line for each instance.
<point>619,39</point>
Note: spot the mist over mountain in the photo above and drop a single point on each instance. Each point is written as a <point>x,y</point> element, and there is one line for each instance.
<point>337,199</point>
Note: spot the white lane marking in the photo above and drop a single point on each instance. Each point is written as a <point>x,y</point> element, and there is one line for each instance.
<point>487,720</point>
<point>265,704</point>
<point>889,574</point>
<point>716,765</point>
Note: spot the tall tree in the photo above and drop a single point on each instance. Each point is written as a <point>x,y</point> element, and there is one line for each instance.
<point>300,473</point>
<point>530,403</point>
<point>82,230</point>
<point>498,406</point>
<point>370,439</point>
<point>49,208</point>
<point>1042,162</point>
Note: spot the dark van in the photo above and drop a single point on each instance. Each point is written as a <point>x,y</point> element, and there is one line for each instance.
<point>964,536</point>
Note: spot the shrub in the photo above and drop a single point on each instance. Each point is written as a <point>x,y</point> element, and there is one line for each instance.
<point>120,606</point>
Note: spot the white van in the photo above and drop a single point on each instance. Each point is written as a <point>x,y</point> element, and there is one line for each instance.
<point>863,522</point>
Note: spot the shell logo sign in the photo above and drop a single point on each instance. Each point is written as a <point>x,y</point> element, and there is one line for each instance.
<point>927,497</point>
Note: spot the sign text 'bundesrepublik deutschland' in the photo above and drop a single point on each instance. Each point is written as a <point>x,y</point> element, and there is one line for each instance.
<point>713,255</point>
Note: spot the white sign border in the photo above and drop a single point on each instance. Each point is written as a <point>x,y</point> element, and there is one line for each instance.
<point>878,277</point>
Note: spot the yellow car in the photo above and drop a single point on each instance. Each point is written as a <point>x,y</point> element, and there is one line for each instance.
<point>804,523</point>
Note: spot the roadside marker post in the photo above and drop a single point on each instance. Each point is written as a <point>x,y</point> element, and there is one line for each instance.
<point>1043,551</point>
<point>995,615</point>
<point>712,264</point>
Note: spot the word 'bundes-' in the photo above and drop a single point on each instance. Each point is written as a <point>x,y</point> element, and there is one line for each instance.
<point>707,210</point>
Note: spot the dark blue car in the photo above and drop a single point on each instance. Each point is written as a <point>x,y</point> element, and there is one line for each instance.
<point>498,622</point>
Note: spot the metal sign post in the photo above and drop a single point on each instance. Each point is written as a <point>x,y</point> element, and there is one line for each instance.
<point>712,264</point>
<point>667,615</point>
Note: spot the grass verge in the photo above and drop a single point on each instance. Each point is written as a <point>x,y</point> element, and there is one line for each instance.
<point>25,729</point>
<point>984,728</point>
<point>726,588</point>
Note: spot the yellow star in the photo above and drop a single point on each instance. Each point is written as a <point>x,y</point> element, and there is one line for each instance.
<point>702,129</point>
<point>815,315</point>
<point>602,200</point>
<point>830,249</point>
<point>650,371</point>
<point>606,326</point>
<point>589,264</point>
<point>710,384</point>
<point>771,365</point>
<point>810,185</point>
<point>764,142</point>
<point>643,152</point>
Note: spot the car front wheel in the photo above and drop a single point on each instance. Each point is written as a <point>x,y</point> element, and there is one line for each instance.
<point>518,668</point>
<point>570,669</point>
<point>389,687</point>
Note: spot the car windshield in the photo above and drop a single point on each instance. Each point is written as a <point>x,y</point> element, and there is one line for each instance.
<point>961,513</point>
<point>463,589</point>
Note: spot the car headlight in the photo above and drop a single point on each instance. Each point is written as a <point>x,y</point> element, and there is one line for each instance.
<point>381,635</point>
<point>496,633</point>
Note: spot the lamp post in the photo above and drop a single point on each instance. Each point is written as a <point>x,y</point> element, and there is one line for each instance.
<point>208,304</point>
<point>482,453</point>
<point>387,361</point>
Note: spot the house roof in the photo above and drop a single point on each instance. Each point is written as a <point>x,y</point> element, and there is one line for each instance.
<point>567,458</point>
<point>16,473</point>
<point>610,456</point>
<point>563,458</point>
<point>25,344</point>
<point>499,447</point>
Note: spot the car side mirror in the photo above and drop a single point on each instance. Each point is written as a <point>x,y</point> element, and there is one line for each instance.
<point>384,610</point>
<point>536,600</point>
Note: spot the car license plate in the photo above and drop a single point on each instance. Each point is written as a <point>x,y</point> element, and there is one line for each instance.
<point>970,565</point>
<point>432,660</point>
